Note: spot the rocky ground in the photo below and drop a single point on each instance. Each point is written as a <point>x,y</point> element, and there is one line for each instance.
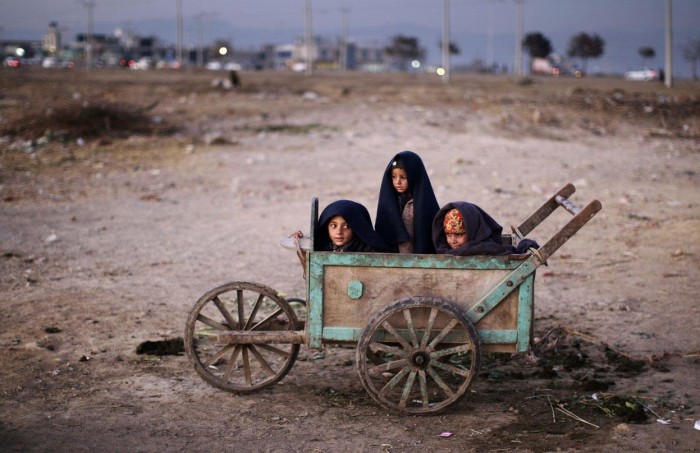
<point>127,195</point>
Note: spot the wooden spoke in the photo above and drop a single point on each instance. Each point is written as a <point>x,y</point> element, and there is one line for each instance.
<point>440,382</point>
<point>260,359</point>
<point>241,309</point>
<point>428,327</point>
<point>394,381</point>
<point>407,389</point>
<point>213,359</point>
<point>211,323</point>
<point>232,363</point>
<point>423,388</point>
<point>391,350</point>
<point>280,352</point>
<point>451,368</point>
<point>443,333</point>
<point>262,324</point>
<point>254,312</point>
<point>411,329</point>
<point>389,328</point>
<point>449,351</point>
<point>246,366</point>
<point>385,367</point>
<point>227,316</point>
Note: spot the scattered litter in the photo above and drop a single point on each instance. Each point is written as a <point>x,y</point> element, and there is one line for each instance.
<point>663,421</point>
<point>697,425</point>
<point>52,329</point>
<point>318,356</point>
<point>51,238</point>
<point>445,434</point>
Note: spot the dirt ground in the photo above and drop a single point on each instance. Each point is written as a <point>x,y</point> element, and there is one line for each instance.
<point>108,238</point>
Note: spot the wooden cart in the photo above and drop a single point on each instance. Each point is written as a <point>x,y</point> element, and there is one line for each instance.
<point>419,322</point>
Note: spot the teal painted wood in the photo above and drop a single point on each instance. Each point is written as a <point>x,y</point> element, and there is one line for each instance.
<point>416,261</point>
<point>314,301</point>
<point>526,305</point>
<point>499,292</point>
<point>355,289</point>
<point>349,334</point>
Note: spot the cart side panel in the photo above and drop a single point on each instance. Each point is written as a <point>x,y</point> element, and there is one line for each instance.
<point>346,290</point>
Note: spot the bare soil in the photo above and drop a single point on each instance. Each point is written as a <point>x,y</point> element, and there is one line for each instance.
<point>110,233</point>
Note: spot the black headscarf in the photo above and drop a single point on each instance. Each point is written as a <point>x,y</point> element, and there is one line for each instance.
<point>483,233</point>
<point>357,217</point>
<point>389,224</point>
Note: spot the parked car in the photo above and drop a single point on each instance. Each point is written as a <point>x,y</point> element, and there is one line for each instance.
<point>13,62</point>
<point>643,75</point>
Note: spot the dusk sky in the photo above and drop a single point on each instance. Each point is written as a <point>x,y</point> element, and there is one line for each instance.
<point>482,29</point>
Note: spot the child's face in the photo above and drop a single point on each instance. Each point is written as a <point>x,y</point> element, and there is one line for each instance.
<point>400,179</point>
<point>456,239</point>
<point>339,231</point>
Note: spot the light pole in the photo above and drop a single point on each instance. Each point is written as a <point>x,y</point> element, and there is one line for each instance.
<point>446,40</point>
<point>308,34</point>
<point>200,38</point>
<point>179,33</point>
<point>90,6</point>
<point>344,49</point>
<point>518,66</point>
<point>668,80</point>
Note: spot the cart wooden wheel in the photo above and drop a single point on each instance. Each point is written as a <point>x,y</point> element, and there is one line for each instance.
<point>238,307</point>
<point>430,351</point>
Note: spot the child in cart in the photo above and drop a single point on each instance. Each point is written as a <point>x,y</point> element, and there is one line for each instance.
<point>345,226</point>
<point>462,228</point>
<point>406,205</point>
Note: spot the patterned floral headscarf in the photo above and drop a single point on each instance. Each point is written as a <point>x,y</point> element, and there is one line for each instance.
<point>454,223</point>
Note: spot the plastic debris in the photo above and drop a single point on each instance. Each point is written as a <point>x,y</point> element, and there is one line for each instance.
<point>445,434</point>
<point>697,425</point>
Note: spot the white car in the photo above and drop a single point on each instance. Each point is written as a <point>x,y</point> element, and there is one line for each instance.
<point>643,75</point>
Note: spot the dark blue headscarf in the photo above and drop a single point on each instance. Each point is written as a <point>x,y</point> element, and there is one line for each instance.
<point>389,224</point>
<point>357,217</point>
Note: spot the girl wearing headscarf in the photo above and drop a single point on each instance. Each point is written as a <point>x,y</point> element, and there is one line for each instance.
<point>407,205</point>
<point>462,228</point>
<point>345,226</point>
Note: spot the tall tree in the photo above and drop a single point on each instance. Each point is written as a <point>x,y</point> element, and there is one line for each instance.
<point>537,45</point>
<point>585,46</point>
<point>647,52</point>
<point>691,53</point>
<point>452,47</point>
<point>404,49</point>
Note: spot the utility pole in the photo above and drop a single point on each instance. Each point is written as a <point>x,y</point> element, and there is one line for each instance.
<point>344,49</point>
<point>178,50</point>
<point>668,79</point>
<point>518,66</point>
<point>489,40</point>
<point>446,40</point>
<point>200,39</point>
<point>307,38</point>
<point>89,6</point>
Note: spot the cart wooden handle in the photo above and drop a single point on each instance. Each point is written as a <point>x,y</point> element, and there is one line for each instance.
<point>579,220</point>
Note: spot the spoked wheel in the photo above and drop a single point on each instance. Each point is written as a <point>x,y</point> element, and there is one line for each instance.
<point>243,308</point>
<point>428,352</point>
